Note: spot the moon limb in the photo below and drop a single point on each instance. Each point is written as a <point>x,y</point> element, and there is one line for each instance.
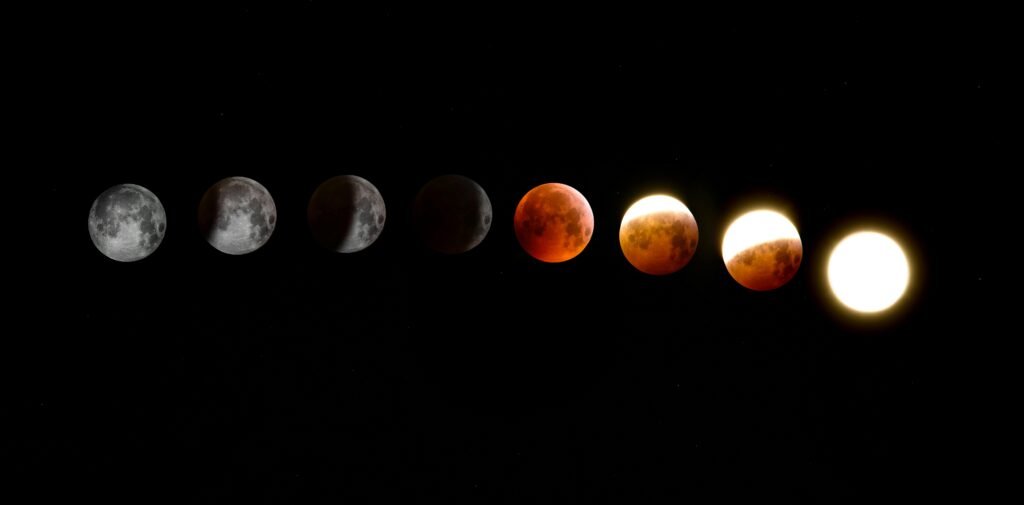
<point>127,222</point>
<point>237,215</point>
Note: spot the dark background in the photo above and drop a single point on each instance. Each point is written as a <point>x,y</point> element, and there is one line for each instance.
<point>298,375</point>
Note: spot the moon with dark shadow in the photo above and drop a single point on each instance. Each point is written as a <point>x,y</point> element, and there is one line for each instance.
<point>554,222</point>
<point>346,214</point>
<point>127,222</point>
<point>452,214</point>
<point>237,215</point>
<point>658,235</point>
<point>762,250</point>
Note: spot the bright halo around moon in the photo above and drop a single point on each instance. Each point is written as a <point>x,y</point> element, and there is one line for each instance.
<point>868,271</point>
<point>658,235</point>
<point>762,250</point>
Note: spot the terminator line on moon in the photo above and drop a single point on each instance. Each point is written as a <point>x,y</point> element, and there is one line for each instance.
<point>127,222</point>
<point>658,235</point>
<point>237,215</point>
<point>346,214</point>
<point>762,250</point>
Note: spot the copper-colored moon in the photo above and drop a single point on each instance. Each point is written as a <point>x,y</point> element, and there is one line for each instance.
<point>658,235</point>
<point>554,222</point>
<point>762,250</point>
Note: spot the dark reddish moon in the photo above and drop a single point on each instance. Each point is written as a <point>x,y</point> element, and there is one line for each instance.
<point>554,222</point>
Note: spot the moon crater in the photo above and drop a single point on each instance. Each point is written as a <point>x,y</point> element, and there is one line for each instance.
<point>127,222</point>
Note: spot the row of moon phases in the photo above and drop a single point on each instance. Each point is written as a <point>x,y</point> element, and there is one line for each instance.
<point>762,250</point>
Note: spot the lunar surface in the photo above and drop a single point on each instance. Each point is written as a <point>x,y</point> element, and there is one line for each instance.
<point>868,271</point>
<point>762,250</point>
<point>237,215</point>
<point>346,214</point>
<point>554,222</point>
<point>452,214</point>
<point>658,235</point>
<point>127,222</point>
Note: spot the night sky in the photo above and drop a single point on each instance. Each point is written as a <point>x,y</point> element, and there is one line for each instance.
<point>295,374</point>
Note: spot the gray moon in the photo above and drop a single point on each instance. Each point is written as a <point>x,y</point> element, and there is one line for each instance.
<point>127,222</point>
<point>346,214</point>
<point>237,215</point>
<point>452,214</point>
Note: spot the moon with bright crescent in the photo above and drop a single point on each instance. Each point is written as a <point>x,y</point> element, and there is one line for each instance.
<point>762,250</point>
<point>658,235</point>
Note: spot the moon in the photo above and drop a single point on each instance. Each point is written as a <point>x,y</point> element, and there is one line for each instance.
<point>762,250</point>
<point>554,222</point>
<point>237,215</point>
<point>658,235</point>
<point>452,214</point>
<point>868,271</point>
<point>346,214</point>
<point>127,222</point>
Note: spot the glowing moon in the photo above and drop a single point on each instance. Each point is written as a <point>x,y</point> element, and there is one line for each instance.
<point>554,222</point>
<point>658,235</point>
<point>868,271</point>
<point>762,250</point>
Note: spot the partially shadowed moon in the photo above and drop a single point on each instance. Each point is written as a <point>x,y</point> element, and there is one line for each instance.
<point>346,214</point>
<point>452,214</point>
<point>554,222</point>
<point>237,215</point>
<point>127,222</point>
<point>762,250</point>
<point>658,235</point>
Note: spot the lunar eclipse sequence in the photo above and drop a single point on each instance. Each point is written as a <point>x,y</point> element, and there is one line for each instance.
<point>867,271</point>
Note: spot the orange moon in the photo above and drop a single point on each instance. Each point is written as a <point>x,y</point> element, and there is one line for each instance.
<point>762,250</point>
<point>554,222</point>
<point>658,235</point>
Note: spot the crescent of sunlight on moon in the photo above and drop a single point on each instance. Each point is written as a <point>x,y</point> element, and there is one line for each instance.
<point>658,235</point>
<point>868,271</point>
<point>452,214</point>
<point>237,215</point>
<point>127,222</point>
<point>346,214</point>
<point>762,250</point>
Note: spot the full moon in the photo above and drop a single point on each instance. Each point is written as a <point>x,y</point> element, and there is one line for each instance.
<point>127,222</point>
<point>237,215</point>
<point>346,214</point>
<point>868,271</point>
<point>762,250</point>
<point>452,214</point>
<point>554,222</point>
<point>658,235</point>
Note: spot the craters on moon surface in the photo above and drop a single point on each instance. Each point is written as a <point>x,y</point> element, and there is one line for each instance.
<point>127,222</point>
<point>237,215</point>
<point>554,222</point>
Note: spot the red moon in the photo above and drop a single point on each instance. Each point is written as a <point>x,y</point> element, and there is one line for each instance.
<point>554,222</point>
<point>658,235</point>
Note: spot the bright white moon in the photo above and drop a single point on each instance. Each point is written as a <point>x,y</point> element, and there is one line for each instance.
<point>868,271</point>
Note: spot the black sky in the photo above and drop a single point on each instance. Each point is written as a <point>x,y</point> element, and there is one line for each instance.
<point>295,374</point>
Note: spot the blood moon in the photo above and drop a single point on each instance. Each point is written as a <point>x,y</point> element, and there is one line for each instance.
<point>554,222</point>
<point>762,250</point>
<point>658,235</point>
